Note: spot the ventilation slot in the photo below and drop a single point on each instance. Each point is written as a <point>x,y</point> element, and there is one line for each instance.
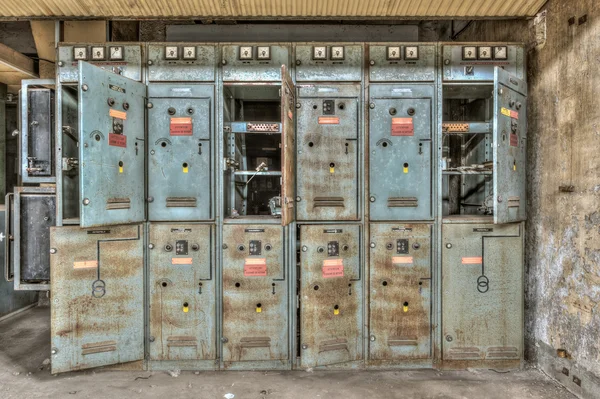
<point>402,341</point>
<point>181,340</point>
<point>98,347</point>
<point>402,202</point>
<point>514,202</point>
<point>502,352</point>
<point>333,345</point>
<point>118,203</point>
<point>255,342</point>
<point>329,202</point>
<point>464,353</point>
<point>181,202</point>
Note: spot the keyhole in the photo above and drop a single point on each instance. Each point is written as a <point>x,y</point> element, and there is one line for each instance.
<point>199,148</point>
<point>273,285</point>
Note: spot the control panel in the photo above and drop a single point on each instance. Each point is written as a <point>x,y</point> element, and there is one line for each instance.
<point>122,59</point>
<point>328,62</point>
<point>248,63</point>
<point>401,62</point>
<point>477,61</point>
<point>181,62</point>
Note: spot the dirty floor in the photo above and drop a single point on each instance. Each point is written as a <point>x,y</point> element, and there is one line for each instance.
<point>24,373</point>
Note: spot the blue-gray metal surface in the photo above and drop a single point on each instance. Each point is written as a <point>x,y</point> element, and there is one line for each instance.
<point>97,312</point>
<point>33,216</point>
<point>328,147</point>
<point>454,68</point>
<point>236,69</point>
<point>111,148</point>
<point>328,70</point>
<point>182,319</point>
<point>331,295</point>
<point>384,67</point>
<point>482,293</point>
<point>200,69</point>
<point>400,293</point>
<point>180,132</point>
<point>37,131</point>
<point>255,297</point>
<point>130,66</point>
<point>510,149</point>
<point>10,300</point>
<point>400,134</point>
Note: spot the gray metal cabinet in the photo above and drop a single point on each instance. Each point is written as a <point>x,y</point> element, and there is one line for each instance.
<point>482,292</point>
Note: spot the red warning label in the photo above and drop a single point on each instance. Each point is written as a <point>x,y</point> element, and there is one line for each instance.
<point>181,127</point>
<point>403,127</point>
<point>255,267</point>
<point>333,268</point>
<point>117,140</point>
<point>514,140</point>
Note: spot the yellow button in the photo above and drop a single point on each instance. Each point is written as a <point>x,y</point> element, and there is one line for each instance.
<point>405,307</point>
<point>258,310</point>
<point>185,167</point>
<point>186,309</point>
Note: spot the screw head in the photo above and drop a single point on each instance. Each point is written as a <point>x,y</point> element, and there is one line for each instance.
<point>298,105</point>
<point>298,62</point>
<point>150,199</point>
<point>224,340</point>
<point>298,199</point>
<point>149,62</point>
<point>224,246</point>
<point>372,245</point>
<point>86,201</point>
<point>304,248</point>
<point>60,63</point>
<point>151,246</point>
<point>152,152</point>
<point>54,351</point>
<point>195,247</point>
<point>304,346</point>
<point>372,338</point>
<point>84,87</point>
<point>448,245</point>
<point>149,105</point>
<point>372,105</point>
<point>224,62</point>
<point>53,250</point>
<point>151,338</point>
<point>372,62</point>
<point>372,198</point>
<point>449,338</point>
<point>446,62</point>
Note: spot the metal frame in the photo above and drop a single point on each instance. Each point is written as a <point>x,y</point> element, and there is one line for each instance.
<point>24,131</point>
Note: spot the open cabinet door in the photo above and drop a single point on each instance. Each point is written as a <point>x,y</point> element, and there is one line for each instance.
<point>288,148</point>
<point>111,148</point>
<point>510,145</point>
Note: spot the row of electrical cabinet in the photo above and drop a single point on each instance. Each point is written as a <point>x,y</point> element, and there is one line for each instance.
<point>268,307</point>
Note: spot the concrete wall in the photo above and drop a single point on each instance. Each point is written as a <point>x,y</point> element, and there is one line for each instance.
<point>563,229</point>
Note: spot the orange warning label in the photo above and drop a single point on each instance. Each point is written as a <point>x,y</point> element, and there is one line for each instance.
<point>255,267</point>
<point>86,264</point>
<point>181,127</point>
<point>402,259</point>
<point>117,114</point>
<point>329,120</point>
<point>473,260</point>
<point>403,127</point>
<point>181,261</point>
<point>333,268</point>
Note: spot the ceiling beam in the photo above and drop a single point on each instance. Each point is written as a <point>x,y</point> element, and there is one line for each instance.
<point>15,66</point>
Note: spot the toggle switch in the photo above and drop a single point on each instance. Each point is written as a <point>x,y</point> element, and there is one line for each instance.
<point>405,167</point>
<point>332,168</point>
<point>185,167</point>
<point>336,310</point>
<point>258,308</point>
<point>186,307</point>
<point>405,307</point>
<point>120,166</point>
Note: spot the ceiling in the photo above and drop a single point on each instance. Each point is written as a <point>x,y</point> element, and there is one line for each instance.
<point>269,9</point>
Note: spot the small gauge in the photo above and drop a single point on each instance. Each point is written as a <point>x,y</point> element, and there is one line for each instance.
<point>469,53</point>
<point>485,53</point>
<point>189,53</point>
<point>393,53</point>
<point>337,53</point>
<point>171,53</point>
<point>500,53</point>
<point>246,53</point>
<point>98,53</point>
<point>80,53</point>
<point>319,53</point>
<point>263,53</point>
<point>115,53</point>
<point>411,52</point>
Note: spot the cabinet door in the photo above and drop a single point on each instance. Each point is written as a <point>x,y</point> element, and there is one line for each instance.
<point>510,147</point>
<point>111,148</point>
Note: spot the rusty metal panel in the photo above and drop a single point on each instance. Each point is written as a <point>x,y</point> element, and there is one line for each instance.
<point>192,63</point>
<point>288,148</point>
<point>482,292</point>
<point>395,62</point>
<point>254,62</point>
<point>328,62</point>
<point>331,297</point>
<point>400,292</point>
<point>464,63</point>
<point>128,63</point>
<point>255,297</point>
<point>182,293</point>
<point>510,149</point>
<point>97,312</point>
<point>180,132</point>
<point>328,146</point>
<point>260,9</point>
<point>400,134</point>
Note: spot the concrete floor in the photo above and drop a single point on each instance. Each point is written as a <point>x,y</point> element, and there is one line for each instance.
<point>25,345</point>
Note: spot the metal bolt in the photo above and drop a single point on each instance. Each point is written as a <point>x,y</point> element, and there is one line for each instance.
<point>195,247</point>
<point>499,198</point>
<point>298,62</point>
<point>304,346</point>
<point>224,62</point>
<point>125,106</point>
<point>151,339</point>
<point>372,105</point>
<point>448,245</point>
<point>224,246</point>
<point>372,198</point>
<point>149,105</point>
<point>168,247</point>
<point>46,218</point>
<point>298,199</point>
<point>298,105</point>
<point>150,199</point>
<point>519,105</point>
<point>85,145</point>
<point>372,62</point>
<point>151,246</point>
<point>372,338</point>
<point>224,340</point>
<point>372,245</point>
<point>446,62</point>
<point>84,87</point>
<point>60,63</point>
<point>86,201</point>
<point>111,101</point>
<point>152,152</point>
<point>54,351</point>
<point>304,248</point>
<point>500,91</point>
<point>449,338</point>
<point>149,62</point>
<point>52,250</point>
